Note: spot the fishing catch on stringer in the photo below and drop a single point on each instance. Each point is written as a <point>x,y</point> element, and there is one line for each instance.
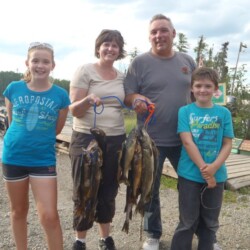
<point>138,163</point>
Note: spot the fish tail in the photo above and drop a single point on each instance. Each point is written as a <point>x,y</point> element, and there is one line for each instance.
<point>125,227</point>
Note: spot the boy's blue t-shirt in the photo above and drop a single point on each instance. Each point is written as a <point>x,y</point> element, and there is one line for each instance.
<point>30,139</point>
<point>208,127</point>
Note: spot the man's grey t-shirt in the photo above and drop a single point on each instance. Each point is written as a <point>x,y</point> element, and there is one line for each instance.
<point>166,82</point>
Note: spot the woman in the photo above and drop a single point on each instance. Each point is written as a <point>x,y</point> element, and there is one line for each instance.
<point>90,83</point>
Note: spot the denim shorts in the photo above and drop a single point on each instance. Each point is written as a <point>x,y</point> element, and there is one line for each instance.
<point>18,173</point>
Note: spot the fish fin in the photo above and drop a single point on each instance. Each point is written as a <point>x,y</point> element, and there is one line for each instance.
<point>125,227</point>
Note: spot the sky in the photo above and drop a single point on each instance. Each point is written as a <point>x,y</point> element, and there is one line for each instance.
<point>71,27</point>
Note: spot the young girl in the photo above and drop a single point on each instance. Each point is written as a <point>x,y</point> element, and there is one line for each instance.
<point>37,110</point>
<point>206,132</point>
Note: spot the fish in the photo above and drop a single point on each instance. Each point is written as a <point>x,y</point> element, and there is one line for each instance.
<point>90,181</point>
<point>128,209</point>
<point>133,189</point>
<point>140,176</point>
<point>96,174</point>
<point>136,171</point>
<point>100,137</point>
<point>147,171</point>
<point>156,156</point>
<point>127,156</point>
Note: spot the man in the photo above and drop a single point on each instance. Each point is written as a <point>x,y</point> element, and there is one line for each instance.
<point>161,76</point>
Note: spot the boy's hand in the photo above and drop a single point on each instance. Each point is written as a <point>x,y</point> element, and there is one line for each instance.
<point>207,171</point>
<point>211,182</point>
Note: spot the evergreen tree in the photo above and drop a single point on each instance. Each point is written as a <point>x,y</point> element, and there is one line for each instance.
<point>220,62</point>
<point>182,43</point>
<point>201,50</point>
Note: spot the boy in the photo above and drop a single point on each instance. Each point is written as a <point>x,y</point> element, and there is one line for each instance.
<point>206,132</point>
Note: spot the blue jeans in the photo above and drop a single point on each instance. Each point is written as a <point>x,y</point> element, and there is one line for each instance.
<point>152,215</point>
<point>199,209</point>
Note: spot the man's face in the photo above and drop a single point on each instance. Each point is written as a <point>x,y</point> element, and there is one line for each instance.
<point>161,35</point>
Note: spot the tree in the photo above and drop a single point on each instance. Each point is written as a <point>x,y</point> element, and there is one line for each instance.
<point>132,54</point>
<point>182,43</point>
<point>201,50</point>
<point>210,61</point>
<point>220,63</point>
<point>7,77</point>
<point>241,107</point>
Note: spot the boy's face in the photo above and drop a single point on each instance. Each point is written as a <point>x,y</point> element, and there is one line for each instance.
<point>203,90</point>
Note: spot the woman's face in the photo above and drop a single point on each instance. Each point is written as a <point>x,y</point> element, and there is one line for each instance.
<point>109,51</point>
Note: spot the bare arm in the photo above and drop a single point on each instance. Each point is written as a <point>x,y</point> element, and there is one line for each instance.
<point>80,101</point>
<point>192,149</point>
<point>196,157</point>
<point>8,105</point>
<point>61,120</point>
<point>210,169</point>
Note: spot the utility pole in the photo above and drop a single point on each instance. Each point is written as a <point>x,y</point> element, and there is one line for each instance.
<point>240,49</point>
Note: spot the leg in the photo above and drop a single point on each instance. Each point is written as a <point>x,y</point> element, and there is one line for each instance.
<point>19,206</point>
<point>108,190</point>
<point>152,218</point>
<point>189,209</point>
<point>104,230</point>
<point>45,194</point>
<point>211,201</point>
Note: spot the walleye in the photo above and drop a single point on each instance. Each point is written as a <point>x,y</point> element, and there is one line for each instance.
<point>133,190</point>
<point>95,177</point>
<point>136,171</point>
<point>141,174</point>
<point>100,137</point>
<point>147,171</point>
<point>127,156</point>
<point>92,162</point>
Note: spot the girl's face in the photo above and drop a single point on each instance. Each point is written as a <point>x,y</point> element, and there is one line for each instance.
<point>203,91</point>
<point>109,51</point>
<point>40,64</point>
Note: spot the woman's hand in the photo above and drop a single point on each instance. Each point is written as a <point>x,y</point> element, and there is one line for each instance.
<point>93,99</point>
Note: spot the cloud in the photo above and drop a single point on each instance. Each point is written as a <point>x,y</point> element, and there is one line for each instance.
<point>72,27</point>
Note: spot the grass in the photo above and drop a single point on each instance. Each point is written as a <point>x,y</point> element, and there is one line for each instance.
<point>229,196</point>
<point>168,182</point>
<point>129,120</point>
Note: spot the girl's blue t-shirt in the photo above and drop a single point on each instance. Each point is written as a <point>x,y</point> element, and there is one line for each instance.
<point>208,127</point>
<point>30,139</point>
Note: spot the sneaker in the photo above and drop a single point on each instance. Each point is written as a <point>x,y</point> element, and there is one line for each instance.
<point>217,246</point>
<point>78,245</point>
<point>151,244</point>
<point>107,244</point>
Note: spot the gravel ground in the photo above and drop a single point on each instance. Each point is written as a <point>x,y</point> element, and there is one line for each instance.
<point>234,232</point>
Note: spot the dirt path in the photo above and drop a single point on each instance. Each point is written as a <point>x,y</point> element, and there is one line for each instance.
<point>233,234</point>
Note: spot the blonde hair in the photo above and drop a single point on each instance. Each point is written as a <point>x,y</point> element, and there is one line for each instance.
<point>37,46</point>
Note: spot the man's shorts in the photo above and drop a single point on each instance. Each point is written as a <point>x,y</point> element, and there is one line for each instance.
<point>18,173</point>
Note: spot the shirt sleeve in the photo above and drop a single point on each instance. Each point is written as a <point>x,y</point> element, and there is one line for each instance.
<point>81,78</point>
<point>228,125</point>
<point>131,81</point>
<point>183,120</point>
